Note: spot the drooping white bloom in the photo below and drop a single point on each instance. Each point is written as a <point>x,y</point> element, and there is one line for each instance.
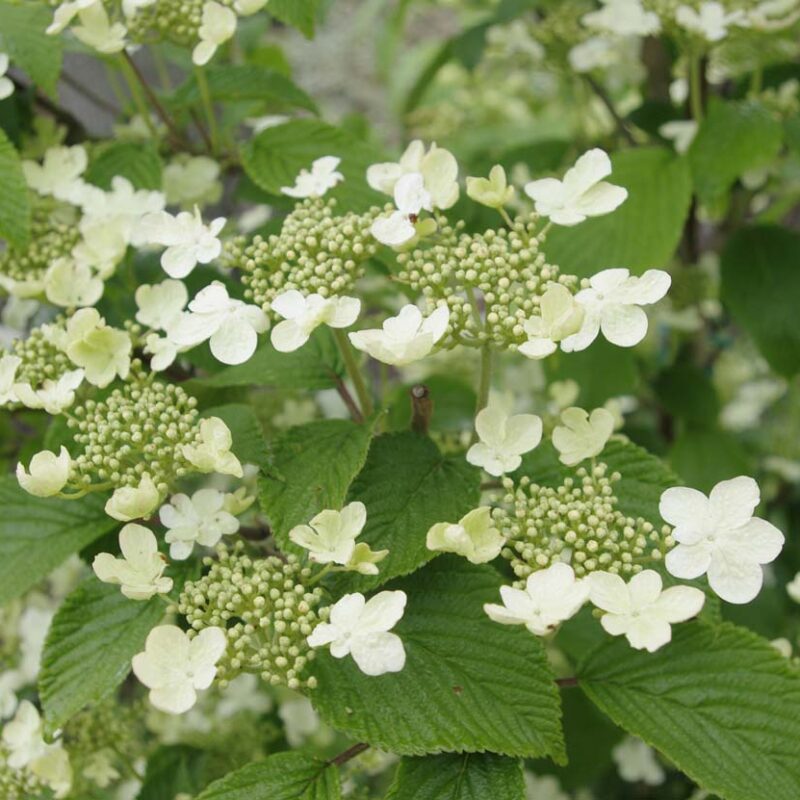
<point>583,192</point>
<point>174,667</point>
<point>361,628</point>
<point>52,396</point>
<point>582,435</point>
<point>551,596</point>
<point>711,21</point>
<point>133,502</point>
<point>474,536</point>
<point>200,519</point>
<point>189,241</point>
<point>640,610</point>
<point>59,173</point>
<point>231,326</point>
<point>8,372</point>
<point>98,32</point>
<point>139,572</point>
<point>612,306</point>
<point>212,453</point>
<point>160,306</point>
<point>315,182</point>
<point>47,474</point>
<point>302,315</point>
<point>719,536</point>
<point>623,18</point>
<point>636,762</point>
<point>6,84</point>
<point>503,438</point>
<point>217,25</point>
<point>560,316</point>
<point>405,338</point>
<point>793,588</point>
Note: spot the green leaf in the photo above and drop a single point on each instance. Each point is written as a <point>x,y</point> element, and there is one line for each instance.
<point>283,776</point>
<point>313,466</point>
<point>733,138</point>
<point>248,436</point>
<point>760,286</point>
<point>37,534</point>
<point>15,211</point>
<point>23,37</point>
<point>236,82</point>
<point>471,776</point>
<point>721,703</point>
<point>703,457</point>
<point>644,231</point>
<point>275,157</point>
<point>316,365</point>
<point>172,770</point>
<point>302,14</point>
<point>469,684</point>
<point>89,647</point>
<point>407,485</point>
<point>139,162</point>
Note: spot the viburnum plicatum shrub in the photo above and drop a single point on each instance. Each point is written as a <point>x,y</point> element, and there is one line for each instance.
<point>450,450</point>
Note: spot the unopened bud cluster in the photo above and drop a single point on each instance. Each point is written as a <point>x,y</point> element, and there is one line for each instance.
<point>18,784</point>
<point>316,251</point>
<point>41,357</point>
<point>492,282</point>
<point>139,428</point>
<point>264,608</point>
<point>577,523</point>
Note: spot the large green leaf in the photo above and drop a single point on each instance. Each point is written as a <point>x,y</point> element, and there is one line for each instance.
<point>644,231</point>
<point>721,703</point>
<point>274,158</point>
<point>760,286</point>
<point>175,769</point>
<point>15,211</point>
<point>301,14</point>
<point>139,162</point>
<point>407,485</point>
<point>469,685</point>
<point>468,776</point>
<point>89,647</point>
<point>37,534</point>
<point>283,776</point>
<point>313,466</point>
<point>23,37</point>
<point>733,138</point>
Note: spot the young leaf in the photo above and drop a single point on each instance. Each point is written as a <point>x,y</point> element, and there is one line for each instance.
<point>37,534</point>
<point>15,212</point>
<point>468,685</point>
<point>89,647</point>
<point>283,776</point>
<point>721,703</point>
<point>139,162</point>
<point>471,776</point>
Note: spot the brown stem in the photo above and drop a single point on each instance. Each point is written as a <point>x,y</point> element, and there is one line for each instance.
<point>349,754</point>
<point>622,126</point>
<point>566,683</point>
<point>352,406</point>
<point>421,409</point>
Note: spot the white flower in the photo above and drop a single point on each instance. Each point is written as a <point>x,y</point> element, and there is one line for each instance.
<point>719,536</point>
<point>596,52</point>
<point>66,12</point>
<point>793,588</point>
<point>405,338</point>
<point>316,182</point>
<point>48,473</point>
<point>582,435</point>
<point>330,537</point>
<point>474,536</point>
<point>636,761</point>
<point>140,571</point>
<point>360,628</point>
<point>494,191</point>
<point>302,315</point>
<point>174,667</point>
<point>160,306</point>
<point>623,18</point>
<point>192,180</point>
<point>53,396</point>
<point>393,230</point>
<point>133,502</point>
<point>640,609</point>
<point>102,351</point>
<point>401,226</point>
<point>59,174</point>
<point>551,596</point>
<point>201,519</point>
<point>213,453</point>
<point>121,210</point>
<point>410,195</point>
<point>612,305</point>
<point>560,316</point>
<point>188,240</point>
<point>8,373</point>
<point>69,284</point>
<point>503,438</point>
<point>102,246</point>
<point>544,787</point>
<point>98,32</point>
<point>711,22</point>
<point>680,132</point>
<point>163,351</point>
<point>217,25</point>
<point>6,84</point>
<point>773,15</point>
<point>583,192</point>
<point>231,325</point>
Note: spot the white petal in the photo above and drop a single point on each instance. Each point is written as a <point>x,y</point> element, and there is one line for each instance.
<point>733,502</point>
<point>624,326</point>
<point>234,343</point>
<point>688,561</point>
<point>609,592</point>
<point>733,580</point>
<point>379,653</point>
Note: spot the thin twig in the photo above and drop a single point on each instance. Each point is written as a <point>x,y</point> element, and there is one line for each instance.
<point>74,125</point>
<point>566,683</point>
<point>348,400</point>
<point>606,101</point>
<point>89,94</point>
<point>349,754</point>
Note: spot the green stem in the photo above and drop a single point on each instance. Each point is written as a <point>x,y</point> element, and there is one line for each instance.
<point>137,95</point>
<point>208,108</point>
<point>485,382</point>
<point>320,575</point>
<point>506,218</point>
<point>696,87</point>
<point>354,372</point>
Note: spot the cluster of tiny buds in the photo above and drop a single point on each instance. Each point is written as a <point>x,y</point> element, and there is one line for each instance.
<point>109,724</point>
<point>140,427</point>
<point>18,784</point>
<point>41,359</point>
<point>177,21</point>
<point>578,523</point>
<point>315,252</point>
<point>264,608</point>
<point>492,282</point>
